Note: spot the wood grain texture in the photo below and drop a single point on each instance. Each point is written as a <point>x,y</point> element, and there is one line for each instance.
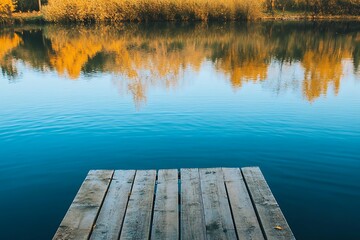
<point>215,203</point>
<point>139,211</point>
<point>192,209</point>
<point>166,210</point>
<point>218,219</point>
<point>111,216</point>
<point>80,218</point>
<point>271,218</point>
<point>246,222</point>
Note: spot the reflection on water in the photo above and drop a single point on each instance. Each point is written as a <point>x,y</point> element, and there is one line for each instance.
<point>281,96</point>
<point>141,56</point>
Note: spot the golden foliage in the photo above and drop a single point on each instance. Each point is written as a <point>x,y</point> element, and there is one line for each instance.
<point>7,7</point>
<point>151,10</point>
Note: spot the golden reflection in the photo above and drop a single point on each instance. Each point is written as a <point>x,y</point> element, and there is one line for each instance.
<point>321,71</point>
<point>143,58</point>
<point>323,66</point>
<point>70,54</point>
<point>8,42</point>
<point>245,58</point>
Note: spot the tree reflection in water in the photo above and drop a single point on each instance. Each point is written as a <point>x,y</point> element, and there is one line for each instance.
<point>143,56</point>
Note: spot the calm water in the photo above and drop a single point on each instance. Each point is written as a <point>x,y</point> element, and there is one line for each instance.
<point>284,96</point>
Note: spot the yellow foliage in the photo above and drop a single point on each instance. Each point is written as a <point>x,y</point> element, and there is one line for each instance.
<point>7,7</point>
<point>153,10</point>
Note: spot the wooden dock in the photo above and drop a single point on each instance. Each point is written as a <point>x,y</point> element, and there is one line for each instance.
<point>216,203</point>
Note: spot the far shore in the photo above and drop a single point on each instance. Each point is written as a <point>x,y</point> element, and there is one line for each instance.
<point>19,18</point>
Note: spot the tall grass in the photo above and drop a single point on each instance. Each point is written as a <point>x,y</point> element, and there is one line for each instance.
<point>151,10</point>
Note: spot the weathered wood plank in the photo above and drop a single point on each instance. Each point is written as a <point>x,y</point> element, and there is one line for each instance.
<point>166,211</point>
<point>112,212</point>
<point>226,203</point>
<point>139,211</point>
<point>271,218</point>
<point>192,210</point>
<point>246,222</point>
<point>80,218</point>
<point>218,220</point>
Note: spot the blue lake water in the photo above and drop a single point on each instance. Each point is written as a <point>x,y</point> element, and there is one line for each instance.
<point>281,96</point>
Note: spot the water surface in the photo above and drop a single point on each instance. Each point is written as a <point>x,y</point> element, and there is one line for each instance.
<point>282,96</point>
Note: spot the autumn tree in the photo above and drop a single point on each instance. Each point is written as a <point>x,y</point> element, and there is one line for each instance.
<point>7,7</point>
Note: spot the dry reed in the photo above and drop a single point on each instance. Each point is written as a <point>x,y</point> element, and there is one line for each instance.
<point>151,10</point>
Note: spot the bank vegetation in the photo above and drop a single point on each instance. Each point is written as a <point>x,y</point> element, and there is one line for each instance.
<point>175,10</point>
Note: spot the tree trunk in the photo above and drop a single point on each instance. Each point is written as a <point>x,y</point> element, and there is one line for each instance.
<point>9,12</point>
<point>39,1</point>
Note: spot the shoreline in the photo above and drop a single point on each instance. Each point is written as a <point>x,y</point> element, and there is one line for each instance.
<point>38,18</point>
<point>23,18</point>
<point>310,17</point>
